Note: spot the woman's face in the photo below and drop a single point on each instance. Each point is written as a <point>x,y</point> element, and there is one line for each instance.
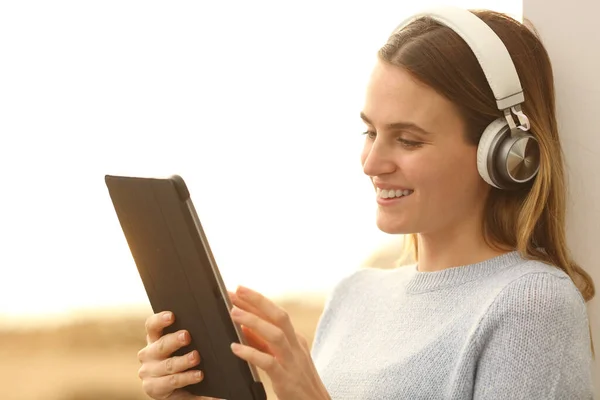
<point>416,154</point>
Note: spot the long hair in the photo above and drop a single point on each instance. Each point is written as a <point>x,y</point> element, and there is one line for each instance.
<point>532,219</point>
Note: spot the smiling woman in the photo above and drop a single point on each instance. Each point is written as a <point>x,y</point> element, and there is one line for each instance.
<point>414,130</point>
<point>493,307</point>
<point>493,294</point>
<point>256,111</point>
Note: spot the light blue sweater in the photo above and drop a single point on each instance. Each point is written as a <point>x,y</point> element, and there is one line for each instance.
<point>504,328</point>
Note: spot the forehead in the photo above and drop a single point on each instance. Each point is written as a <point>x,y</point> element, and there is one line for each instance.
<point>394,95</point>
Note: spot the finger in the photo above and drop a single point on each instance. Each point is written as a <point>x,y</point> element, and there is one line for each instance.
<point>231,295</point>
<point>256,341</point>
<point>163,386</point>
<point>252,338</point>
<point>170,366</point>
<point>263,361</point>
<point>164,347</point>
<point>269,311</point>
<point>271,334</point>
<point>156,323</point>
<point>244,305</point>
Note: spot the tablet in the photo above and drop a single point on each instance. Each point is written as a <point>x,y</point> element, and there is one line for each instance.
<point>179,274</point>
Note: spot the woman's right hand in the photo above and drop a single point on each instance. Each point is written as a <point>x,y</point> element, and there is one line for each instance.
<point>162,375</point>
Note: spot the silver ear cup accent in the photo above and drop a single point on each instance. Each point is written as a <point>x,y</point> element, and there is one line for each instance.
<point>518,158</point>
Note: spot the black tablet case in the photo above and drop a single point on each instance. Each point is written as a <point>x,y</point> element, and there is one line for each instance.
<point>163,233</point>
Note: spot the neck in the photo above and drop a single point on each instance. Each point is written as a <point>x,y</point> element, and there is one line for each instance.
<point>453,248</point>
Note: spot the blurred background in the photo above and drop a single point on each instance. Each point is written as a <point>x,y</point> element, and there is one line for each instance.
<point>256,104</point>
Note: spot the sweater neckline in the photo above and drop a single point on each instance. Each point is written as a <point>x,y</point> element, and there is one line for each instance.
<point>455,276</point>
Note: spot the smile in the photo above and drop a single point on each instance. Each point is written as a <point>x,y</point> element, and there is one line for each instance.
<point>391,193</point>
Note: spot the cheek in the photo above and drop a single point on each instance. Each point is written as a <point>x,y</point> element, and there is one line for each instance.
<point>445,180</point>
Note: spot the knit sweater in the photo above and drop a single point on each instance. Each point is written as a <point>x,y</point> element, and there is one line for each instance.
<point>505,328</point>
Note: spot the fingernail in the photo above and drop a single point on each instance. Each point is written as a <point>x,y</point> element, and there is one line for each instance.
<point>242,291</point>
<point>192,356</point>
<point>198,375</point>
<point>182,336</point>
<point>236,311</point>
<point>167,316</point>
<point>235,346</point>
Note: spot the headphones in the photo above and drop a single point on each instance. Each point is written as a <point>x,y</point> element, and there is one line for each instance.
<point>507,156</point>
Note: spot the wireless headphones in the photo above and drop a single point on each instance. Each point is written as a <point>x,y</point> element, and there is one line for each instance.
<point>507,156</point>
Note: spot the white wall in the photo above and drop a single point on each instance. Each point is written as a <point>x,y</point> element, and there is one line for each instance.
<point>569,32</point>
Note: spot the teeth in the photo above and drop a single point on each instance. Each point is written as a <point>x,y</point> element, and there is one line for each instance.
<point>388,194</point>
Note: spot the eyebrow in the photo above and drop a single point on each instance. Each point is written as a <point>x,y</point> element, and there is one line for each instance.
<point>398,126</point>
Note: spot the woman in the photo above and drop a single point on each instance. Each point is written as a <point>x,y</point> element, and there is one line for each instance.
<point>494,307</point>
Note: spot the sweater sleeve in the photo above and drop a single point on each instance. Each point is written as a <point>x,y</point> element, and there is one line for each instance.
<point>534,342</point>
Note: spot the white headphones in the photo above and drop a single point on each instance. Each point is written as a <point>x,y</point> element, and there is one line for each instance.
<point>506,155</point>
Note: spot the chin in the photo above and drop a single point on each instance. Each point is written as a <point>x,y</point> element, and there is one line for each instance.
<point>393,226</point>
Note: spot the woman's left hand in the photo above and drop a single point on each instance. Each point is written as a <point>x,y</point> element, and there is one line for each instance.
<point>275,348</point>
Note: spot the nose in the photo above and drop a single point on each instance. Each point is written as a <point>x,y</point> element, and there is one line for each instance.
<point>378,159</point>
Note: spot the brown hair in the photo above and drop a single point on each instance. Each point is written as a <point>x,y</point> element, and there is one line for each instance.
<point>532,219</point>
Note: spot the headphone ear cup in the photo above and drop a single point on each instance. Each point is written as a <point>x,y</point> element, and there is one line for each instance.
<point>517,158</point>
<point>486,148</point>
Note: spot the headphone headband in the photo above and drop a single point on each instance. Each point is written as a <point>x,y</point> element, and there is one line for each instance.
<point>490,51</point>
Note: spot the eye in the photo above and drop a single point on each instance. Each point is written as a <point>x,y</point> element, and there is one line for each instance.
<point>409,144</point>
<point>370,134</point>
